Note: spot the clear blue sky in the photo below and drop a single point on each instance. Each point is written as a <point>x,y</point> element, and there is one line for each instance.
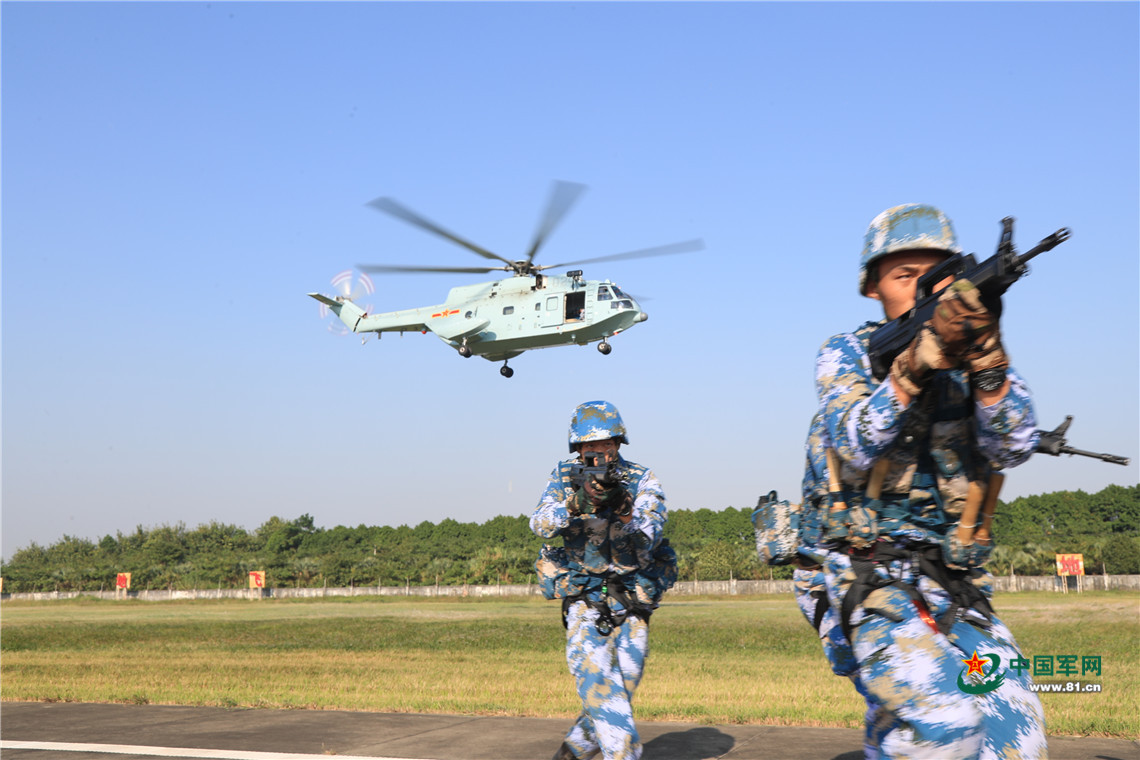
<point>176,176</point>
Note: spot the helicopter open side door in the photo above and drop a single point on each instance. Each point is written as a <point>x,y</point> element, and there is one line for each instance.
<point>575,310</point>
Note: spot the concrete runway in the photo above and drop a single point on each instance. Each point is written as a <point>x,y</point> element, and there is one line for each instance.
<point>70,731</point>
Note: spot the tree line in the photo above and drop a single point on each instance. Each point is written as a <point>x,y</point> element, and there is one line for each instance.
<point>710,545</point>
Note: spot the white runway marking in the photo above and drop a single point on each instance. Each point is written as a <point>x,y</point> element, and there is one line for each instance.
<point>215,754</point>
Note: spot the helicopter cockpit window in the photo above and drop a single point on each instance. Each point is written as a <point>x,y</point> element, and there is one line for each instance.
<point>624,301</point>
<point>604,293</point>
<point>508,309</point>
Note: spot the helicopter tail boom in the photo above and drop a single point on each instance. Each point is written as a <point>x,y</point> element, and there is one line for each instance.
<point>346,311</point>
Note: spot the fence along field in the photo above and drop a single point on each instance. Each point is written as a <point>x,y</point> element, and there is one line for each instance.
<point>711,546</point>
<point>1070,584</point>
<point>714,659</point>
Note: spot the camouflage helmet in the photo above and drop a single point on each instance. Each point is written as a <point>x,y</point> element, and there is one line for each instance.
<point>905,228</point>
<point>596,421</point>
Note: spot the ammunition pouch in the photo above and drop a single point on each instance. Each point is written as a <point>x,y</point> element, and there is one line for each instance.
<point>614,597</point>
<point>651,582</point>
<point>557,578</point>
<point>957,555</point>
<point>857,524</point>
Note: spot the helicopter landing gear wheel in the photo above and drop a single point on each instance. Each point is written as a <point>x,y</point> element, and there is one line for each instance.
<point>605,348</point>
<point>506,371</point>
<point>464,351</point>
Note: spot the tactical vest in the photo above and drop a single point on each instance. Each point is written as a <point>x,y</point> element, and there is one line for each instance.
<point>931,464</point>
<point>598,553</point>
<point>926,480</point>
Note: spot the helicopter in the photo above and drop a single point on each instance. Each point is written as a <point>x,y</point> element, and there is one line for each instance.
<point>499,320</point>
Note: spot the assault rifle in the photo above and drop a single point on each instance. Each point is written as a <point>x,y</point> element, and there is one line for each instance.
<point>593,464</point>
<point>1053,443</point>
<point>992,277</point>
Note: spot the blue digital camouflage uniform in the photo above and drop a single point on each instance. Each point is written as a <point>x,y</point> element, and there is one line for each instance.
<point>811,596</point>
<point>613,564</point>
<point>908,671</point>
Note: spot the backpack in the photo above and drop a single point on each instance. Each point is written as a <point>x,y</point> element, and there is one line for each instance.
<point>777,526</point>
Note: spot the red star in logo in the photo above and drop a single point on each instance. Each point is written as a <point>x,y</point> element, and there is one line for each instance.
<point>975,664</point>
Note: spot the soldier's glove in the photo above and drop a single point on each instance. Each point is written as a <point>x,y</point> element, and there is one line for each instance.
<point>604,494</point>
<point>614,497</point>
<point>970,330</point>
<point>623,506</point>
<point>581,503</point>
<point>961,331</point>
<point>960,318</point>
<point>913,367</point>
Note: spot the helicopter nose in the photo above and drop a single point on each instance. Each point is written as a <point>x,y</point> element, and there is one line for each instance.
<point>642,317</point>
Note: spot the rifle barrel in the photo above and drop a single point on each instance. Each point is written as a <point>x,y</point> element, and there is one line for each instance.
<point>1047,244</point>
<point>1112,458</point>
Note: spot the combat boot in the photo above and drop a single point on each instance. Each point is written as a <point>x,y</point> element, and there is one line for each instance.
<point>565,753</point>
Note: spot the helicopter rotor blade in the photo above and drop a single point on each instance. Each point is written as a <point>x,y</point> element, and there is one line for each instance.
<point>390,206</point>
<point>688,246</point>
<point>563,196</point>
<point>381,268</point>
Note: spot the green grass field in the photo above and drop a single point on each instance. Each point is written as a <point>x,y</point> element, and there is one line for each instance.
<point>713,660</point>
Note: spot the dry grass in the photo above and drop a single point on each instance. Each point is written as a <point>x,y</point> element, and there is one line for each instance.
<point>713,660</point>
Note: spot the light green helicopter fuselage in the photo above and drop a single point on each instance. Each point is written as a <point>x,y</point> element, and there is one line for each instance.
<point>502,319</point>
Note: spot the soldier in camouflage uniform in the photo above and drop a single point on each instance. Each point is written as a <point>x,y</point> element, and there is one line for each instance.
<point>891,466</point>
<point>610,574</point>
<point>810,587</point>
<point>789,533</point>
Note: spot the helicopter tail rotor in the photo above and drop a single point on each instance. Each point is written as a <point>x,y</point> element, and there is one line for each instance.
<point>349,286</point>
<point>353,288</point>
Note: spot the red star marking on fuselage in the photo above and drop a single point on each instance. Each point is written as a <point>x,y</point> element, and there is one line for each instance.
<point>975,664</point>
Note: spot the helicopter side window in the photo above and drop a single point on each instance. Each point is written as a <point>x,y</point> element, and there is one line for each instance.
<point>604,293</point>
<point>552,303</point>
<point>508,310</point>
<point>538,306</point>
